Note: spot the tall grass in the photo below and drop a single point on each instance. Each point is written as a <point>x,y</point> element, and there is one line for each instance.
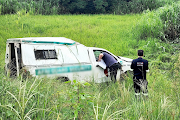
<point>162,23</point>
<point>56,100</point>
<point>90,30</point>
<point>51,99</point>
<point>18,104</point>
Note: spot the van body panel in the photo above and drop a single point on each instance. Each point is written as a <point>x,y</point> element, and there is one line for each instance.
<point>45,40</point>
<point>65,54</point>
<point>62,69</point>
<point>78,72</point>
<point>7,55</point>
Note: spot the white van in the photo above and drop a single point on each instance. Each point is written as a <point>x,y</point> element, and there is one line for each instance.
<point>58,57</point>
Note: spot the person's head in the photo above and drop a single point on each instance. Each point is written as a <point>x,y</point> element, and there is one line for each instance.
<point>140,53</point>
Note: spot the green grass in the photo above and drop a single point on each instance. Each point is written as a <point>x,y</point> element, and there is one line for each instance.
<point>51,99</point>
<point>90,30</point>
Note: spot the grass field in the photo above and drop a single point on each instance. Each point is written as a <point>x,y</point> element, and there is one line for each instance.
<point>90,30</point>
<point>51,99</point>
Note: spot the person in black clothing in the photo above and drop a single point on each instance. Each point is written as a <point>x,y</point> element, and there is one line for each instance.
<point>139,67</point>
<point>111,63</point>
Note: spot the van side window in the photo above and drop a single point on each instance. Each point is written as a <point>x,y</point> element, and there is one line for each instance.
<point>45,54</point>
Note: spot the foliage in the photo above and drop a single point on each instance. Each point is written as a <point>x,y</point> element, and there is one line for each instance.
<point>93,31</point>
<point>51,7</point>
<point>58,100</point>
<point>8,6</point>
<point>21,105</point>
<point>161,24</point>
<point>150,25</point>
<point>137,6</point>
<point>77,98</point>
<point>170,18</point>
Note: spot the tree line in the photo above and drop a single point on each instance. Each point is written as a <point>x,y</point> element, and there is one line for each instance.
<point>49,7</point>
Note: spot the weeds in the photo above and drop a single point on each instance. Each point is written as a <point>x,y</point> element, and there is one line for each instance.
<point>77,100</point>
<point>51,99</point>
<point>162,23</point>
<point>20,103</point>
<point>77,97</point>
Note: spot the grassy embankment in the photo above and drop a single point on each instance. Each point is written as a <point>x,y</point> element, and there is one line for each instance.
<point>56,100</point>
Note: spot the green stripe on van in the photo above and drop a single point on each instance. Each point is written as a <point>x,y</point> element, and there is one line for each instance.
<point>64,43</point>
<point>59,70</point>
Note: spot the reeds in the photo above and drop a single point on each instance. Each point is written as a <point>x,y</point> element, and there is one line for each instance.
<point>51,99</point>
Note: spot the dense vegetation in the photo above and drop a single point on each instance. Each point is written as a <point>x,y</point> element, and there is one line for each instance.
<point>162,24</point>
<point>122,35</point>
<point>49,7</point>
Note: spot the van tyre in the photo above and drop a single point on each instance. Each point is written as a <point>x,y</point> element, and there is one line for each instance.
<point>63,79</point>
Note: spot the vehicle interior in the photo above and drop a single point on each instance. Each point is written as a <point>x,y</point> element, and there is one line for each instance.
<point>97,52</point>
<point>15,59</point>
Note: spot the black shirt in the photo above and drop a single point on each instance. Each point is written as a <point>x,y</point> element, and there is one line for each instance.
<point>139,67</point>
<point>108,59</point>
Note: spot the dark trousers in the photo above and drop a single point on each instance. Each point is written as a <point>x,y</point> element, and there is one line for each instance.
<point>113,70</point>
<point>140,85</point>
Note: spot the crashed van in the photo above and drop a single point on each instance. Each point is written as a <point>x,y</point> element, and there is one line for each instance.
<point>58,57</point>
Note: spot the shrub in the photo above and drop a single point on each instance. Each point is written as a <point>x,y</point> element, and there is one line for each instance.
<point>162,23</point>
<point>50,7</point>
<point>9,6</point>
<point>150,25</point>
<point>170,18</point>
<point>138,6</point>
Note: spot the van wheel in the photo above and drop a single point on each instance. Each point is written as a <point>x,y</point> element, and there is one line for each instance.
<point>63,79</point>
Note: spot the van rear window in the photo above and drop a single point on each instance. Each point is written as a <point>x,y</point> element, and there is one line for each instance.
<point>45,54</point>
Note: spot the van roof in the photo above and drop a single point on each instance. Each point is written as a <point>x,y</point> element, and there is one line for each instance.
<point>52,40</point>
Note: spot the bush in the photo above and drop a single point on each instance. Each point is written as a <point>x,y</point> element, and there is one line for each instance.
<point>50,7</point>
<point>138,6</point>
<point>9,6</point>
<point>150,25</point>
<point>164,23</point>
<point>170,16</point>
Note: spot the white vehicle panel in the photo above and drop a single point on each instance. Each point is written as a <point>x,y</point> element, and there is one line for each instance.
<point>66,54</point>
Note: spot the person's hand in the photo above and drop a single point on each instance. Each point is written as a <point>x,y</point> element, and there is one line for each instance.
<point>100,57</point>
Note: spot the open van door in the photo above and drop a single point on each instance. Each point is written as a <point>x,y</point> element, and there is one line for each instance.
<point>101,73</point>
<point>17,48</point>
<point>13,58</point>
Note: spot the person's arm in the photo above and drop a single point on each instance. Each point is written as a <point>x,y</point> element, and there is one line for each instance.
<point>132,65</point>
<point>146,67</point>
<point>100,57</point>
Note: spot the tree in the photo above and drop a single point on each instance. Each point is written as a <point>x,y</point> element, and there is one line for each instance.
<point>100,5</point>
<point>73,6</point>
